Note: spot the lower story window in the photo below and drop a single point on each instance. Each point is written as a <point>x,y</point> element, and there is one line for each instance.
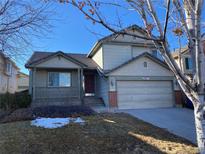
<point>59,79</point>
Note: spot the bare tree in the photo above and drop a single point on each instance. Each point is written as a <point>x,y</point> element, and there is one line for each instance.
<point>188,13</point>
<point>20,21</point>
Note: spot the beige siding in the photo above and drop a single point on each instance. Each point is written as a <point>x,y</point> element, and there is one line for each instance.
<point>57,62</point>
<point>12,83</point>
<point>98,57</point>
<point>22,82</point>
<point>136,68</point>
<point>114,55</point>
<point>136,51</point>
<point>131,39</point>
<point>8,83</point>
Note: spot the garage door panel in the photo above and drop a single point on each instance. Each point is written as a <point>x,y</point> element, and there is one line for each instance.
<point>148,91</point>
<point>144,94</point>
<point>143,105</point>
<point>134,84</point>
<point>139,98</point>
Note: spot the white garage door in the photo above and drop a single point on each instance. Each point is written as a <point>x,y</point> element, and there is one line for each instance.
<point>144,94</point>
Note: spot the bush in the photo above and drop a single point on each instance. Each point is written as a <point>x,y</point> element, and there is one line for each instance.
<point>14,101</point>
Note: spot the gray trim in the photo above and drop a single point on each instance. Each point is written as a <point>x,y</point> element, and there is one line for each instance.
<point>34,82</point>
<point>30,81</point>
<point>103,57</point>
<point>148,45</point>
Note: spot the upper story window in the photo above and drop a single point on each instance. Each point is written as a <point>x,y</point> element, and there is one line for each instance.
<point>188,63</point>
<point>9,68</point>
<point>59,79</point>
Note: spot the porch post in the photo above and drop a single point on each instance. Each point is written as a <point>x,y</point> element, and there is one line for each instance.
<point>81,86</point>
<point>34,83</point>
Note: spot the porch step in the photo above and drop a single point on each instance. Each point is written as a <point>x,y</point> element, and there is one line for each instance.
<point>93,101</point>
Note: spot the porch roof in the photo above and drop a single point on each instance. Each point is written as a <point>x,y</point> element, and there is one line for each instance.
<point>81,59</point>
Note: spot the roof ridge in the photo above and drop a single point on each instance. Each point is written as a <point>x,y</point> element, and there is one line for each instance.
<point>51,52</point>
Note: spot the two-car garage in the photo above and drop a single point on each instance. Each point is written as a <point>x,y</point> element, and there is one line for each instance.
<point>143,82</point>
<point>144,94</point>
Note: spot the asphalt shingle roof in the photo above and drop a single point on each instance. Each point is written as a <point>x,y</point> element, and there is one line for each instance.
<point>81,58</point>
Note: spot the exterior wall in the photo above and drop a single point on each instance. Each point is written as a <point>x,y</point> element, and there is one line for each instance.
<point>136,68</point>
<point>8,83</point>
<point>117,54</point>
<point>98,57</point>
<point>114,55</point>
<point>135,71</point>
<point>183,56</point>
<point>136,51</point>
<point>43,91</point>
<point>102,88</point>
<point>57,62</point>
<point>12,82</point>
<point>22,82</point>
<point>131,39</point>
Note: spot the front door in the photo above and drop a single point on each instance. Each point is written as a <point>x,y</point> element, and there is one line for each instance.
<point>89,80</point>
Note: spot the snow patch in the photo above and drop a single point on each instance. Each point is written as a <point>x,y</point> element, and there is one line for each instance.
<point>55,122</point>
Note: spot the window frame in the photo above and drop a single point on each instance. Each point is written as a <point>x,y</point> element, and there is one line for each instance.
<point>70,85</point>
<point>9,69</point>
<point>184,61</point>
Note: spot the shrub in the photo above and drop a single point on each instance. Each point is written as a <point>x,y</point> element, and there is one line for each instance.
<point>14,101</point>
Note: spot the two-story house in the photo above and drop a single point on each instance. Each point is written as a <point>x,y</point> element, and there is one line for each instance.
<point>121,70</point>
<point>8,75</point>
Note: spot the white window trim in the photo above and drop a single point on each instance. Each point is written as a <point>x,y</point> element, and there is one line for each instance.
<point>60,86</point>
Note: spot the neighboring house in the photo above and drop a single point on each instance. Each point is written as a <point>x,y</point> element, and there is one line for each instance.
<point>22,82</point>
<point>8,75</point>
<point>184,61</point>
<point>122,70</point>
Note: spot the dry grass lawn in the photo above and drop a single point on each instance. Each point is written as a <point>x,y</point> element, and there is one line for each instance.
<point>104,133</point>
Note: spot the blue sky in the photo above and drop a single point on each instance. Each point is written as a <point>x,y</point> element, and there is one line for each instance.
<point>71,32</point>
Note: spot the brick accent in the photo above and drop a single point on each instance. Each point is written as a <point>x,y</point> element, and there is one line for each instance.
<point>113,98</point>
<point>179,97</point>
<point>203,43</point>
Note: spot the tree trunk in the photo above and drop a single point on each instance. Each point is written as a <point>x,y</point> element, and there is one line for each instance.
<point>199,115</point>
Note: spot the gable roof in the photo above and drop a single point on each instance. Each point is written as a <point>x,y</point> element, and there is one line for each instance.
<point>104,39</point>
<point>79,59</point>
<point>145,54</point>
<point>8,59</point>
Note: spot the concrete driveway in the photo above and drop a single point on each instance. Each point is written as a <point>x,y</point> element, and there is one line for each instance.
<point>179,121</point>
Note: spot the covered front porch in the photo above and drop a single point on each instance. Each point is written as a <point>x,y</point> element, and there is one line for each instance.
<point>51,86</point>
